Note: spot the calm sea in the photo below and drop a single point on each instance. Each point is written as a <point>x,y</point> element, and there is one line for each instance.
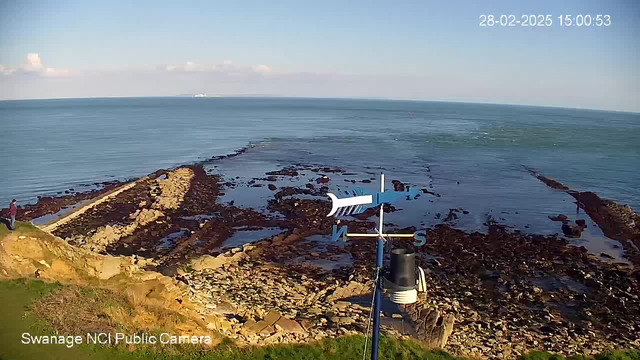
<point>472,154</point>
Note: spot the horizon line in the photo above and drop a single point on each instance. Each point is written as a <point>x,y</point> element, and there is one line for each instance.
<point>271,96</point>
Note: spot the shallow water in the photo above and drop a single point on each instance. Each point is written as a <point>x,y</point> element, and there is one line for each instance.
<point>169,241</point>
<point>242,236</point>
<point>50,218</point>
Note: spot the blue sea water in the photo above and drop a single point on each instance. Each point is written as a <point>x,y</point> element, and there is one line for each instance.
<point>473,155</point>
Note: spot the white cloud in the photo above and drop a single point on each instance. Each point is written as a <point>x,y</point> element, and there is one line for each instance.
<point>33,64</point>
<point>5,70</point>
<point>57,72</point>
<point>227,66</point>
<point>190,66</point>
<point>263,69</point>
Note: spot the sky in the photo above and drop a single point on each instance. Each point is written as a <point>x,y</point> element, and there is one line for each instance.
<point>419,50</point>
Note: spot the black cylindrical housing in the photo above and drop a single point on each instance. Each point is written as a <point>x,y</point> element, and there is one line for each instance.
<point>403,267</point>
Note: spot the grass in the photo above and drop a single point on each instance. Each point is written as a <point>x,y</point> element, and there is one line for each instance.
<point>30,306</point>
<point>21,227</point>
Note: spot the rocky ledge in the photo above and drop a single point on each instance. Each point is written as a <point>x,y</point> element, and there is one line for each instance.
<point>497,294</point>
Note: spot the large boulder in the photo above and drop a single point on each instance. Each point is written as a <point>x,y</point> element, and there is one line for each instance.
<point>352,289</point>
<point>213,262</point>
<point>572,230</point>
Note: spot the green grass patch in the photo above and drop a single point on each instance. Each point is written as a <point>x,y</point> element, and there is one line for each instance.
<point>21,227</point>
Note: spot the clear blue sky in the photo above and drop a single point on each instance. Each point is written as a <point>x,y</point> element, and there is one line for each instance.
<point>432,50</point>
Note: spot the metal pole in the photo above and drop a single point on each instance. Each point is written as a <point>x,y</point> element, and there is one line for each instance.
<point>358,235</point>
<point>378,294</point>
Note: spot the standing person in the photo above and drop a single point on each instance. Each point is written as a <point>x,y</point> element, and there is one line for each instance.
<point>13,210</point>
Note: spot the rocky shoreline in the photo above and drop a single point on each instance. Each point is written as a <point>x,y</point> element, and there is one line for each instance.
<point>617,221</point>
<point>496,294</point>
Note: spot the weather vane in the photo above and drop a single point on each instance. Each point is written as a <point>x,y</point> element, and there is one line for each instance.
<point>401,281</point>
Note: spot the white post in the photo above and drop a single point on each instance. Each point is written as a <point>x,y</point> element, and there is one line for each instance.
<point>381,206</point>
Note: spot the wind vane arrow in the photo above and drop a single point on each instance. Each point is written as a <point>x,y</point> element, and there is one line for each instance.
<point>364,199</point>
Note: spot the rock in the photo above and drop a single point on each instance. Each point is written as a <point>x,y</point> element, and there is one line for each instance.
<point>251,327</point>
<point>268,330</point>
<point>322,180</point>
<point>209,262</point>
<point>284,172</point>
<point>225,308</point>
<point>397,185</point>
<point>275,338</point>
<point>354,288</point>
<point>307,324</point>
<point>433,328</point>
<point>272,317</point>
<point>290,326</point>
<point>607,256</point>
<point>581,222</point>
<point>560,217</point>
<point>342,305</point>
<point>342,320</point>
<point>572,230</point>
<point>62,268</point>
<point>110,268</point>
<point>110,234</point>
<point>173,189</point>
<point>272,187</point>
<point>315,311</point>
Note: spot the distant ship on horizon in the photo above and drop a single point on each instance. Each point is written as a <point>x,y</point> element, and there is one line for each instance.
<point>200,95</point>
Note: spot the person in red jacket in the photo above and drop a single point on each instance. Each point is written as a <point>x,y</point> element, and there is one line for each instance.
<point>13,210</point>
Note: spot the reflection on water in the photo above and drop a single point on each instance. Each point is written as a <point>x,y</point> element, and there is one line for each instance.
<point>242,236</point>
<point>169,241</point>
<point>201,217</point>
<point>521,202</point>
<point>50,218</point>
